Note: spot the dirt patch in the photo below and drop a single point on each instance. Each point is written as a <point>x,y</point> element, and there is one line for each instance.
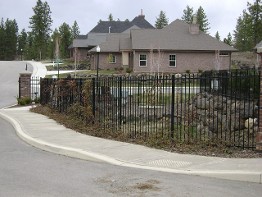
<point>122,186</point>
<point>148,185</point>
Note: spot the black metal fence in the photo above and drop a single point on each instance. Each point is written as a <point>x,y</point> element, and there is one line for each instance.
<point>29,87</point>
<point>183,107</point>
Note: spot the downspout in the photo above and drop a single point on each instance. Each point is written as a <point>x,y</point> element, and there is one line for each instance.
<point>134,54</point>
<point>230,60</point>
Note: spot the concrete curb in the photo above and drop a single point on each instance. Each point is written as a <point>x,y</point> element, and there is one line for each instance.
<point>255,177</point>
<point>71,152</point>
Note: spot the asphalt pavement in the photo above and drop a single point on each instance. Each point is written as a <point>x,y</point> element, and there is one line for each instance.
<point>46,134</point>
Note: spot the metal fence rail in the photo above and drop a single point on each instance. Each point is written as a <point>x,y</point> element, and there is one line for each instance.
<point>184,107</point>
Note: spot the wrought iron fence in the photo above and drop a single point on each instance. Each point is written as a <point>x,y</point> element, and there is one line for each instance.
<point>29,87</point>
<point>181,107</point>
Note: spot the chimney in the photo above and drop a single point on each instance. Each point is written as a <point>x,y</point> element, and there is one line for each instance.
<point>194,27</point>
<point>142,14</point>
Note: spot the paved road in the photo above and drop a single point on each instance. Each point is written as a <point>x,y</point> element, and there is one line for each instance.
<point>27,171</point>
<point>9,75</point>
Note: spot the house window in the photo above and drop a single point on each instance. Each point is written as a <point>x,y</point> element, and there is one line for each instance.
<point>172,60</point>
<point>223,53</point>
<point>111,59</point>
<point>142,60</point>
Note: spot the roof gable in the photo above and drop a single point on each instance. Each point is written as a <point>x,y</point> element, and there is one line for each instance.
<point>259,45</point>
<point>141,22</point>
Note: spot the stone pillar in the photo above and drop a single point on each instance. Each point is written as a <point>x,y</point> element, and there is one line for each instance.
<point>259,133</point>
<point>25,85</point>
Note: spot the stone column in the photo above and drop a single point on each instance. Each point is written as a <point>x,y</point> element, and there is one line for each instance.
<point>25,85</point>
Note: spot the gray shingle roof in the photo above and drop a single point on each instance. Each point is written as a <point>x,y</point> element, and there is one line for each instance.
<point>121,26</point>
<point>100,32</point>
<point>115,43</point>
<point>141,22</point>
<point>89,40</point>
<point>176,36</point>
<point>81,37</point>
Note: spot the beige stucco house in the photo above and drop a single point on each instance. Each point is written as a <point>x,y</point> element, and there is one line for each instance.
<point>178,47</point>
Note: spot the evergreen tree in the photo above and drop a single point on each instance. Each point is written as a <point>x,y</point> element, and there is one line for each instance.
<point>65,40</point>
<point>110,17</point>
<point>229,39</point>
<point>248,30</point>
<point>2,40</point>
<point>22,38</point>
<point>40,24</point>
<point>255,13</point>
<point>9,40</point>
<point>202,20</point>
<point>52,44</point>
<point>188,14</point>
<point>75,30</point>
<point>161,21</point>
<point>217,35</point>
<point>243,33</point>
<point>30,52</point>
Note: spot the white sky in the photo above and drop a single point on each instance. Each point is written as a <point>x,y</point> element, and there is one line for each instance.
<point>222,14</point>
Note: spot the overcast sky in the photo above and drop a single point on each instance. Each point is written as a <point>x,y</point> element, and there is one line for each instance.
<point>222,14</point>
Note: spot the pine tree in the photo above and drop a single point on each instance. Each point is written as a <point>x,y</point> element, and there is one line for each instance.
<point>188,14</point>
<point>30,51</point>
<point>161,21</point>
<point>229,39</point>
<point>10,43</point>
<point>255,13</point>
<point>248,30</point>
<point>110,17</point>
<point>75,30</point>
<point>22,38</point>
<point>243,33</point>
<point>40,24</point>
<point>217,35</point>
<point>65,40</point>
<point>52,44</point>
<point>202,20</point>
<point>2,40</point>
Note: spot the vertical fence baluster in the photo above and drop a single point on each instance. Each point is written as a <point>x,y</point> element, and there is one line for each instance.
<point>173,108</point>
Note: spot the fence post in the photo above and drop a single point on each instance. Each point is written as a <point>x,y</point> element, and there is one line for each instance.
<point>120,100</point>
<point>94,97</point>
<point>259,133</point>
<point>173,108</point>
<point>25,85</point>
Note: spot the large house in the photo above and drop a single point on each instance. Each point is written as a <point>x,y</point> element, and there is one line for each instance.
<point>176,48</point>
<point>83,43</point>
